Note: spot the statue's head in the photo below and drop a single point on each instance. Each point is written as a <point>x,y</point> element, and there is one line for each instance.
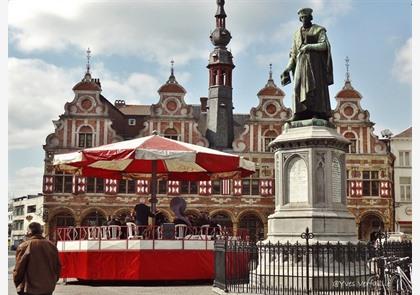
<point>305,15</point>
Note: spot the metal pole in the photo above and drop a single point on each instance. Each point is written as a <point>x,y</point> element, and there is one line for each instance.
<point>307,236</point>
<point>153,199</point>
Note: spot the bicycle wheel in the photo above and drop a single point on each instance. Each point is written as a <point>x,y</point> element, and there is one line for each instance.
<point>374,286</point>
<point>394,285</point>
<point>398,286</point>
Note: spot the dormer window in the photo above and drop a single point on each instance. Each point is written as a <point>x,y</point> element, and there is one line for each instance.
<point>131,122</point>
<point>85,137</point>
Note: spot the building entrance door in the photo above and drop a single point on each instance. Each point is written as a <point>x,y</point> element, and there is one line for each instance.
<point>369,226</point>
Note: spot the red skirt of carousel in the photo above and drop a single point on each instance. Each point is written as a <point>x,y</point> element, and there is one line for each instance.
<point>137,259</point>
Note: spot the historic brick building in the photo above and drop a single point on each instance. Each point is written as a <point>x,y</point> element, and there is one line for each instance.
<point>90,119</point>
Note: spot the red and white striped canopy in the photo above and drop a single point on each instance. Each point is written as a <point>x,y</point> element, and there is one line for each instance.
<point>175,160</point>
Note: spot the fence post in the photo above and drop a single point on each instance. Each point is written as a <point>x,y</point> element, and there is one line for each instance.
<point>307,236</point>
<point>382,252</point>
<point>220,252</point>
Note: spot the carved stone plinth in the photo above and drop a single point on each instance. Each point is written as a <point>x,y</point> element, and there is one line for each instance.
<point>310,184</point>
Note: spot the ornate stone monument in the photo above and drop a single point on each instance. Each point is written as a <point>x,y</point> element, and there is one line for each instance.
<point>310,177</point>
<point>310,154</point>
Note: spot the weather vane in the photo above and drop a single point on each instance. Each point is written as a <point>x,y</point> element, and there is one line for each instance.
<point>347,68</point>
<point>88,60</point>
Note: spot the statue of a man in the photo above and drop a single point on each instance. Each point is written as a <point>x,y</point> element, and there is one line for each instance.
<point>311,64</point>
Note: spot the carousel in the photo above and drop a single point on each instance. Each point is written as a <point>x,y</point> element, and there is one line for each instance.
<point>169,251</point>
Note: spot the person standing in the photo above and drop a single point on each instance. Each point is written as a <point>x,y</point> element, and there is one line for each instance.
<point>142,213</point>
<point>311,64</point>
<point>38,266</point>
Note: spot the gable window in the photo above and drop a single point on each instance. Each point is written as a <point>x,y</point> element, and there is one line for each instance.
<point>171,133</point>
<point>131,122</point>
<point>405,189</point>
<point>370,184</point>
<point>268,137</point>
<point>85,137</point>
<point>353,142</point>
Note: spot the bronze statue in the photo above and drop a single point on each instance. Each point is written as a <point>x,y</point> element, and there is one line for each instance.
<point>311,64</point>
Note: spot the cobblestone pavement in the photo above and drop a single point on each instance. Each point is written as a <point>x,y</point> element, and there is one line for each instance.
<point>73,287</point>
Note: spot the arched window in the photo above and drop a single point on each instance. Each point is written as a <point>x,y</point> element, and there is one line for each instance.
<point>85,137</point>
<point>171,133</point>
<point>253,225</point>
<point>268,137</point>
<point>353,142</point>
<point>94,218</point>
<point>63,219</point>
<point>223,219</point>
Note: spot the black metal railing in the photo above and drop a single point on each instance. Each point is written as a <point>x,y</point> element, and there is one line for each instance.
<point>301,268</point>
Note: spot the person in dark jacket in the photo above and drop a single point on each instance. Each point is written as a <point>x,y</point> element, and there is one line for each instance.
<point>142,213</point>
<point>38,267</point>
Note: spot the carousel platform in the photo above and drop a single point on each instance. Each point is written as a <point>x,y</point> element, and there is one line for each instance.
<point>87,254</point>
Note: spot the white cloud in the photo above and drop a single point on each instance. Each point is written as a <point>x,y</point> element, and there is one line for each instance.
<point>38,92</point>
<point>27,180</point>
<point>146,29</point>
<point>402,64</point>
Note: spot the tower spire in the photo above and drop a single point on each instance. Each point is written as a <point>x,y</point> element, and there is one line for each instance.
<point>220,14</point>
<point>172,79</point>
<point>270,82</point>
<point>220,108</point>
<point>220,37</point>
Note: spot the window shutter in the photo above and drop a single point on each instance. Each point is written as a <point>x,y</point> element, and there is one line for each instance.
<point>385,189</point>
<point>142,186</point>
<point>79,185</point>
<point>48,184</point>
<point>111,186</point>
<point>237,187</point>
<point>173,187</point>
<point>266,187</point>
<point>204,187</point>
<point>225,186</point>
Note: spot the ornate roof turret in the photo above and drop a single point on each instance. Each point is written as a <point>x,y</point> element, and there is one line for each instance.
<point>220,37</point>
<point>271,88</point>
<point>348,91</point>
<point>87,82</point>
<point>172,84</point>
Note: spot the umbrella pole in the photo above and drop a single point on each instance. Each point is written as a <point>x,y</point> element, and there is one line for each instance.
<point>153,199</point>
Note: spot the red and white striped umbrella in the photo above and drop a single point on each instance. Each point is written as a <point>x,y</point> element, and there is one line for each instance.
<point>138,158</point>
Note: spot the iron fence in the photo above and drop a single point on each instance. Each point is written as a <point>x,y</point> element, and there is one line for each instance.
<point>301,268</point>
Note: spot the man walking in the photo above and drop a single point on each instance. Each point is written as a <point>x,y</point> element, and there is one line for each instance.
<point>38,266</point>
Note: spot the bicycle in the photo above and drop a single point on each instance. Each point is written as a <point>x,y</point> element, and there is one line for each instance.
<point>379,283</point>
<point>398,282</point>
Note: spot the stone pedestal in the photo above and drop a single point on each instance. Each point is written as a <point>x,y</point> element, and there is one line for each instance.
<point>310,185</point>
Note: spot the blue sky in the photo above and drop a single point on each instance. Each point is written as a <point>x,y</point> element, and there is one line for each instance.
<point>132,43</point>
